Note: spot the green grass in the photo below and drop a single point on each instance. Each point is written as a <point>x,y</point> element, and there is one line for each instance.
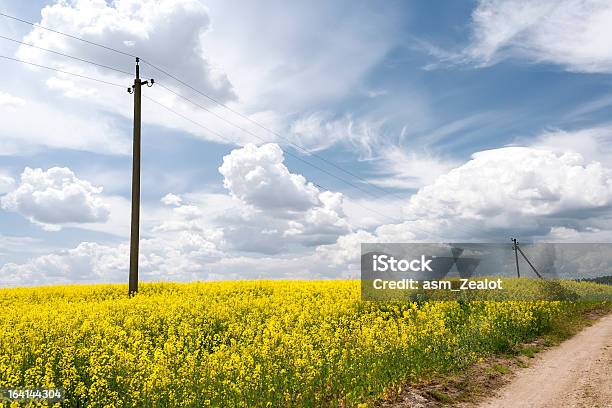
<point>529,351</point>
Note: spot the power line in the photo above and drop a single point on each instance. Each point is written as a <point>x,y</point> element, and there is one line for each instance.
<point>67,35</point>
<point>209,130</point>
<point>219,135</point>
<point>165,72</point>
<point>466,229</point>
<point>61,71</point>
<point>234,142</point>
<point>263,140</point>
<point>66,55</point>
<point>307,151</point>
<point>199,92</point>
<point>393,219</point>
<point>180,115</point>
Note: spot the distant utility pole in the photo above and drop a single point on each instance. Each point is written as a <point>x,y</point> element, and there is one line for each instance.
<point>517,250</point>
<point>135,231</point>
<point>515,247</point>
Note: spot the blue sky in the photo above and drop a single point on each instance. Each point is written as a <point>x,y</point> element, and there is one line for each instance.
<point>469,120</point>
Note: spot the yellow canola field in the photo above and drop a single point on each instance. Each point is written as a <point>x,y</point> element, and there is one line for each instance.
<point>246,343</point>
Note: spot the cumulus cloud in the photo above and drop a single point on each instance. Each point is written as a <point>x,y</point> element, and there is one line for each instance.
<point>574,34</point>
<point>518,189</point>
<point>171,199</point>
<point>10,101</point>
<point>531,191</point>
<point>518,180</point>
<point>513,191</point>
<point>268,210</point>
<point>346,250</point>
<point>258,176</point>
<point>6,183</point>
<point>90,262</point>
<point>594,144</point>
<point>156,30</point>
<point>54,197</point>
<point>188,259</point>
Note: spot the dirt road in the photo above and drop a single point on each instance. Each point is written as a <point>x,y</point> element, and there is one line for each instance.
<point>578,373</point>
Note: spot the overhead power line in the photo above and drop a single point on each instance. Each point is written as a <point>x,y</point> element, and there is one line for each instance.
<point>62,71</point>
<point>173,111</point>
<point>66,55</point>
<point>468,230</point>
<point>215,133</point>
<point>212,99</point>
<point>211,131</point>
<point>264,140</point>
<point>471,230</point>
<point>221,136</point>
<point>68,35</point>
<point>267,129</point>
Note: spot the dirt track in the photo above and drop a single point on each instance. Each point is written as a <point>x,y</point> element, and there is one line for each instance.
<point>578,373</point>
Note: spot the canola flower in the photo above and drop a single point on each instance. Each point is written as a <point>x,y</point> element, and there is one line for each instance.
<point>245,344</point>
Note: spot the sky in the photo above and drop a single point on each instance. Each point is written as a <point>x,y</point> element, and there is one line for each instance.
<point>341,123</point>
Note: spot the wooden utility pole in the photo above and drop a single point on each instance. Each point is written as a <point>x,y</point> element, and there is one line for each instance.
<point>529,262</point>
<point>135,229</point>
<point>517,250</point>
<point>515,247</point>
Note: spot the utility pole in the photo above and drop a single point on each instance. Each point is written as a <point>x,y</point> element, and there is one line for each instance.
<point>135,229</point>
<point>515,247</point>
<point>529,262</point>
<point>518,249</point>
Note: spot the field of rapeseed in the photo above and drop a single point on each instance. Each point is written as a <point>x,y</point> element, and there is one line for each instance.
<point>239,344</point>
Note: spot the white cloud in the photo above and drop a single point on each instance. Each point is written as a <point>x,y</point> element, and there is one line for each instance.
<point>529,191</point>
<point>190,258</point>
<point>8,101</point>
<point>54,127</point>
<point>517,180</point>
<point>118,221</point>
<point>513,191</point>
<point>180,256</point>
<point>398,168</point>
<point>6,183</point>
<point>158,30</point>
<point>321,130</point>
<point>55,197</point>
<point>274,199</point>
<point>346,250</point>
<point>367,213</point>
<point>594,144</point>
<point>574,34</point>
<point>71,89</point>
<point>22,245</point>
<point>289,63</point>
<point>268,210</point>
<point>171,199</point>
<point>264,72</point>
<point>258,176</point>
<point>88,262</point>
